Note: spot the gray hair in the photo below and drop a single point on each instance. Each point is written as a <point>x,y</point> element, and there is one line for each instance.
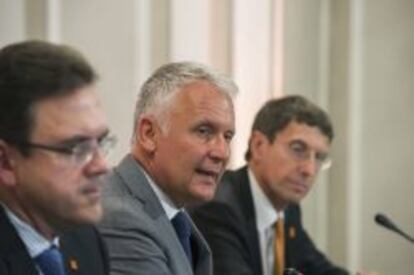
<point>158,91</point>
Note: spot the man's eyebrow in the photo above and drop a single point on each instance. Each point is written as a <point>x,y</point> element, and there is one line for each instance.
<point>209,122</point>
<point>203,123</point>
<point>299,141</point>
<point>80,138</point>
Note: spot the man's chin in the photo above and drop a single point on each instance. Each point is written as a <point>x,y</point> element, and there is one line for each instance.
<point>92,215</point>
<point>296,198</point>
<point>200,198</point>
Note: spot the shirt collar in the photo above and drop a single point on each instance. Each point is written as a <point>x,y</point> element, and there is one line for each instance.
<point>34,242</point>
<point>169,207</point>
<point>266,215</point>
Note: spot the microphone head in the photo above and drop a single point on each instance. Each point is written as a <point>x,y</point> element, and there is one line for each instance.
<point>381,219</point>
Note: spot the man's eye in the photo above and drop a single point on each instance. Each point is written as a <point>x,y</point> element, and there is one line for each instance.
<point>228,136</point>
<point>321,157</point>
<point>298,148</point>
<point>204,131</point>
<point>77,147</point>
<point>69,147</point>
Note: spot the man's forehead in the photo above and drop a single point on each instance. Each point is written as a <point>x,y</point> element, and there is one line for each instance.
<point>78,113</point>
<point>202,97</point>
<point>305,132</point>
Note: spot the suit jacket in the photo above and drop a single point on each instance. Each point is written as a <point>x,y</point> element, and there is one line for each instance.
<point>140,237</point>
<point>83,251</point>
<point>229,225</point>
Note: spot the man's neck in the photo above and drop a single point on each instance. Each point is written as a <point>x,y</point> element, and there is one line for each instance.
<point>35,221</point>
<point>278,204</point>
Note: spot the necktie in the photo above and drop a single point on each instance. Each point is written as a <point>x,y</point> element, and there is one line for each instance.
<point>182,227</point>
<point>50,261</point>
<point>279,247</point>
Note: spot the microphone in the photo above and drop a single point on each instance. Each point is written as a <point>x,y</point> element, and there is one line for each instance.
<point>381,219</point>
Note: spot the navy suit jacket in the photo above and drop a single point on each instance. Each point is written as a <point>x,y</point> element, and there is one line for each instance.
<point>83,251</point>
<point>229,225</point>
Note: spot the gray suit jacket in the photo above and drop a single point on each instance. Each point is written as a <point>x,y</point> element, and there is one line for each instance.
<point>139,235</point>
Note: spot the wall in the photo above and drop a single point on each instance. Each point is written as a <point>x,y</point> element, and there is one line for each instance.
<point>353,57</point>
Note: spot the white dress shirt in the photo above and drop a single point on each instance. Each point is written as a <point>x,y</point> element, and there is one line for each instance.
<point>169,207</point>
<point>34,242</point>
<point>266,217</point>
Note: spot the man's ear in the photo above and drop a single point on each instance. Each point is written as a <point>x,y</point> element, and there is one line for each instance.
<point>7,165</point>
<point>258,145</point>
<point>147,132</point>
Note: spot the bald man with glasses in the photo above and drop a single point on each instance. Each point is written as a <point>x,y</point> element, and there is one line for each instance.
<point>53,141</point>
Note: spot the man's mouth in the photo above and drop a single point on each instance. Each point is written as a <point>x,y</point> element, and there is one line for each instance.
<point>214,174</point>
<point>299,186</point>
<point>92,189</point>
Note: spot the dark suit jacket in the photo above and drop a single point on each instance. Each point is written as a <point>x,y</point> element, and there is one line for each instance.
<point>82,245</point>
<point>229,225</point>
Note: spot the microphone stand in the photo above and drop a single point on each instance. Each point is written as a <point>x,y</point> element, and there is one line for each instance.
<point>382,220</point>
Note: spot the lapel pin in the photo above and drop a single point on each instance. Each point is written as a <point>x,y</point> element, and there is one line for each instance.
<point>73,265</point>
<point>292,232</point>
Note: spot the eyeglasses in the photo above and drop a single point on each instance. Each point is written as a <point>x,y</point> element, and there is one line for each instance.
<point>80,152</point>
<point>301,152</point>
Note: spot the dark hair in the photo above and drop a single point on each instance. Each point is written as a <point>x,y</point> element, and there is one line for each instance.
<point>33,71</point>
<point>276,114</point>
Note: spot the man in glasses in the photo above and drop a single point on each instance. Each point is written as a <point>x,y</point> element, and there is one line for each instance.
<point>53,137</point>
<point>253,225</point>
<point>184,122</point>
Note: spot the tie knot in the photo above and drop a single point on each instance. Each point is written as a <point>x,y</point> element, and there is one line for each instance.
<point>182,225</point>
<point>279,226</point>
<point>50,261</point>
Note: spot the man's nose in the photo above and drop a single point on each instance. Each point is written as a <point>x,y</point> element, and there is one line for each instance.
<point>220,149</point>
<point>99,163</point>
<point>309,166</point>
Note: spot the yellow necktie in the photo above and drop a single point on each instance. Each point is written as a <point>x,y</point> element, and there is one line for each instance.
<point>279,247</point>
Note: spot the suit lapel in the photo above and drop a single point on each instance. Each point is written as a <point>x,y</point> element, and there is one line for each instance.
<point>246,201</point>
<point>83,251</point>
<point>76,262</point>
<point>14,258</point>
<point>201,253</point>
<point>136,182</point>
<point>291,234</point>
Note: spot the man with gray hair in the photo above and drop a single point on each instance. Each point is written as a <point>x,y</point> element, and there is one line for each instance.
<point>184,122</point>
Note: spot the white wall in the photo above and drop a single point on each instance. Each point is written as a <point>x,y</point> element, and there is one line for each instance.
<point>387,153</point>
<point>371,90</point>
<point>105,31</point>
<point>353,57</point>
<point>12,21</point>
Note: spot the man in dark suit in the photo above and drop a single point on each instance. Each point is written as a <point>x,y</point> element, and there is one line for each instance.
<point>184,122</point>
<point>53,134</point>
<point>253,225</point>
